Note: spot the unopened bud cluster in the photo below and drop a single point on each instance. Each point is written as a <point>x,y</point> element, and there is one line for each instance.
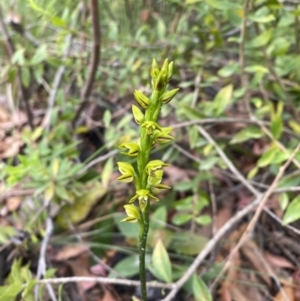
<point>148,174</point>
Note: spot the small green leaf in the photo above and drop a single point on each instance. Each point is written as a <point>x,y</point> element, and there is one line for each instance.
<point>222,99</point>
<point>203,220</point>
<point>127,267</point>
<point>19,57</point>
<point>262,19</point>
<point>10,292</point>
<point>289,181</point>
<point>81,206</point>
<point>40,55</point>
<point>208,163</point>
<point>129,230</point>
<point>223,5</point>
<point>181,218</point>
<point>184,204</point>
<point>256,69</point>
<point>200,290</point>
<point>283,200</point>
<point>159,218</point>
<point>107,118</point>
<point>161,262</point>
<point>261,40</point>
<point>187,243</point>
<point>161,29</point>
<point>106,172</point>
<point>294,126</point>
<point>293,211</point>
<point>124,121</point>
<point>267,157</point>
<point>276,126</point>
<point>247,133</point>
<point>25,75</point>
<point>56,21</point>
<point>62,192</point>
<point>191,113</point>
<point>228,70</point>
<point>252,173</point>
<point>183,186</point>
<point>281,156</point>
<point>5,233</point>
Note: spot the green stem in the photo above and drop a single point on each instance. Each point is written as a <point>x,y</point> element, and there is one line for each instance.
<point>144,227</point>
<point>143,159</point>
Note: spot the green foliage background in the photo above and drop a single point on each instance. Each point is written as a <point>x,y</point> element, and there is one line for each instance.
<point>237,65</point>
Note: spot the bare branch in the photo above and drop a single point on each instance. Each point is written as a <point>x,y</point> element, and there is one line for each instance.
<point>95,60</point>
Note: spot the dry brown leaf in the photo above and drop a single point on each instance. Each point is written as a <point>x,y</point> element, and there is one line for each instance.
<point>10,147</point>
<point>4,114</point>
<point>235,236</point>
<point>253,254</point>
<point>223,215</point>
<point>176,174</point>
<point>237,294</point>
<point>79,270</point>
<point>289,292</point>
<point>13,203</point>
<point>108,296</point>
<point>71,251</point>
<point>20,119</point>
<point>225,293</point>
<point>278,261</point>
<point>232,274</point>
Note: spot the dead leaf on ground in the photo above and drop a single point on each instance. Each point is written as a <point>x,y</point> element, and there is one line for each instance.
<point>4,114</point>
<point>278,261</point>
<point>237,294</point>
<point>8,123</point>
<point>98,270</point>
<point>10,147</point>
<point>108,296</point>
<point>176,174</point>
<point>288,290</point>
<point>255,257</point>
<point>79,270</point>
<point>71,251</point>
<point>232,275</point>
<point>13,203</point>
<point>223,215</point>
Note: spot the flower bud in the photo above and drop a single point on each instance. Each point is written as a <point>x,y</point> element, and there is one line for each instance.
<point>132,212</point>
<point>141,99</point>
<point>159,187</point>
<point>162,137</point>
<point>170,71</point>
<point>127,172</point>
<point>137,114</point>
<point>133,148</point>
<point>142,195</point>
<point>158,83</point>
<point>155,165</point>
<point>168,96</point>
<point>151,127</point>
<point>154,69</point>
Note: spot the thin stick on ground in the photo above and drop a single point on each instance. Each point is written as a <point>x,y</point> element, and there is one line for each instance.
<point>210,247</point>
<point>105,280</point>
<point>233,169</point>
<point>42,265</point>
<point>259,209</point>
